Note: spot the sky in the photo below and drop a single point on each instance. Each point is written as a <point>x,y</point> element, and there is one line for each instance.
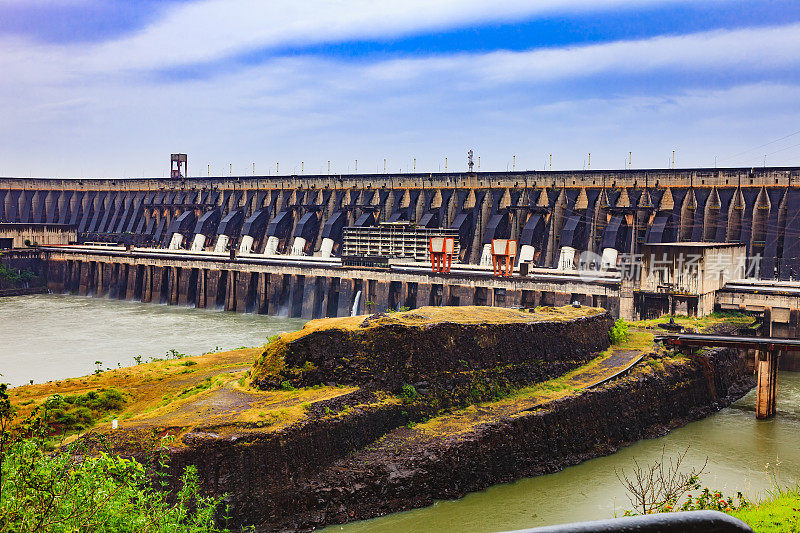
<point>109,88</point>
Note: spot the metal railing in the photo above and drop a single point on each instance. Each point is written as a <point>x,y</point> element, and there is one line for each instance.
<point>683,522</point>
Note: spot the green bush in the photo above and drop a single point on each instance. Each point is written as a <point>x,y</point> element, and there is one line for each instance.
<point>409,392</point>
<point>619,332</point>
<point>15,276</point>
<point>69,489</point>
<point>75,412</point>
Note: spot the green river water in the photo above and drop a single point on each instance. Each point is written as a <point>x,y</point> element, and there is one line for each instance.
<point>46,337</point>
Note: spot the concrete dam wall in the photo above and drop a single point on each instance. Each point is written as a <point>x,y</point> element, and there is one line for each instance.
<point>550,213</point>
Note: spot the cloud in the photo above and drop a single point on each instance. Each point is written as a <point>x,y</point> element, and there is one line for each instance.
<point>738,51</point>
<point>213,30</point>
<point>91,114</point>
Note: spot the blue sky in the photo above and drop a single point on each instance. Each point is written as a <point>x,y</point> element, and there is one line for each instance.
<point>110,88</point>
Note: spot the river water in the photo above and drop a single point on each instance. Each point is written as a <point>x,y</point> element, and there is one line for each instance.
<point>51,336</point>
<point>46,337</point>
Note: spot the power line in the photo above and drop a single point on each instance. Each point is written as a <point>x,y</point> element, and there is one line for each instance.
<point>782,149</point>
<point>728,158</point>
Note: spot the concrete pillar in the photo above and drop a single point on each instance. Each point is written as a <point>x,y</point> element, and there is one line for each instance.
<point>513,298</point>
<point>201,291</point>
<point>85,283</point>
<point>121,281</point>
<point>183,286</point>
<point>174,284</point>
<point>766,390</point>
<point>242,290</point>
<point>380,297</point>
<point>624,303</point>
<point>104,275</point>
<point>212,285</point>
<point>296,284</point>
<point>129,289</point>
<point>147,284</point>
<point>262,301</point>
<point>423,294</point>
<point>404,294</point>
<point>309,297</point>
<point>56,271</point>
<point>230,292</point>
<point>156,284</point>
<point>274,293</point>
<point>324,291</point>
<point>345,296</point>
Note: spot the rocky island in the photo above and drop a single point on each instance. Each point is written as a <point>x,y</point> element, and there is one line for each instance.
<point>351,418</point>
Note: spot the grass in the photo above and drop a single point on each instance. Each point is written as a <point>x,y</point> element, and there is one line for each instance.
<point>703,324</point>
<point>781,513</point>
<point>424,316</point>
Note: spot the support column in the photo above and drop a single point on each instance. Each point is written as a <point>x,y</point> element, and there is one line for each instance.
<point>296,284</point>
<point>242,290</point>
<point>174,285</point>
<point>345,297</point>
<point>766,390</point>
<point>212,284</point>
<point>56,273</point>
<point>84,283</point>
<point>107,279</point>
<point>157,280</point>
<point>147,284</point>
<point>130,289</point>
<point>309,297</point>
<point>262,301</point>
<point>324,286</point>
<point>230,292</point>
<point>201,299</point>
<point>423,294</point>
<point>274,293</point>
<point>121,281</point>
<point>381,297</point>
<point>183,286</point>
<point>513,298</point>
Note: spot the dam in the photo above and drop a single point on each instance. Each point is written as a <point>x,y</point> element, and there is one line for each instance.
<point>316,246</point>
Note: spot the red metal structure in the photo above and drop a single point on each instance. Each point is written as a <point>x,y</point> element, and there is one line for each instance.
<point>504,251</point>
<point>441,253</point>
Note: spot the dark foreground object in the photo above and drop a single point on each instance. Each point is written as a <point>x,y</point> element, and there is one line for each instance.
<point>688,521</point>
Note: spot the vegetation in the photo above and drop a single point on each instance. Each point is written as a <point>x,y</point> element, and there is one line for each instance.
<point>409,393</point>
<point>76,412</point>
<point>14,277</point>
<point>663,487</point>
<point>619,331</point>
<point>778,513</point>
<point>67,489</point>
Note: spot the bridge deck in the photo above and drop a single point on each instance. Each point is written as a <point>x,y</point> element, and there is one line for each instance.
<point>729,341</point>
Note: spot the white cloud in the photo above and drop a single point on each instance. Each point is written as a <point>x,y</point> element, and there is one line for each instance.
<point>215,29</point>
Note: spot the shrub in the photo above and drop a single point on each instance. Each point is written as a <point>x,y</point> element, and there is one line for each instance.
<point>619,332</point>
<point>409,392</point>
<point>75,412</point>
<point>69,489</point>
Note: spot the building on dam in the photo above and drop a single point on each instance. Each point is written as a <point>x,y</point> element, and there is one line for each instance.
<point>326,245</point>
